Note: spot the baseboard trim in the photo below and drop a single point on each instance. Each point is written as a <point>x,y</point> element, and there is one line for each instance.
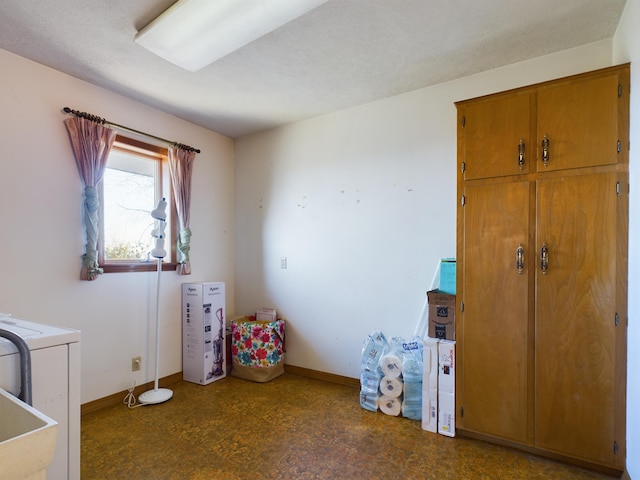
<point>542,453</point>
<point>117,398</point>
<point>318,375</point>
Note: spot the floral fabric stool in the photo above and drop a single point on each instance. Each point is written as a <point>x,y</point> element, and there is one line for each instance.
<point>257,349</point>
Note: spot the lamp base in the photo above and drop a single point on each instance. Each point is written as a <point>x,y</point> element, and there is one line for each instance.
<point>155,396</point>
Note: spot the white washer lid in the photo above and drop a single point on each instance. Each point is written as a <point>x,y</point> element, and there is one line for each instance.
<point>36,335</point>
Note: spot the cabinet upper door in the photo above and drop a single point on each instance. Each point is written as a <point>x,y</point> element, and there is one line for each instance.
<point>494,361</point>
<point>496,136</point>
<point>575,317</point>
<point>578,121</point>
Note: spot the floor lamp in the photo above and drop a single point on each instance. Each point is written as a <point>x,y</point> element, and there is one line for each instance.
<point>158,395</point>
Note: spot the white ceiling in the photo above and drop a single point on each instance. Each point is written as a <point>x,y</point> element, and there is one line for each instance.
<point>344,53</point>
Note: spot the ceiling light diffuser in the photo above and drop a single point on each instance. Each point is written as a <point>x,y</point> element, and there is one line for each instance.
<point>195,33</point>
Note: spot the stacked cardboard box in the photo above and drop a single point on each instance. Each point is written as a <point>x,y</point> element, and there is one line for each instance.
<point>439,387</point>
<point>442,315</point>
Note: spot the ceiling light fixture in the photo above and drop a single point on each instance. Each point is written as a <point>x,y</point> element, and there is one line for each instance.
<point>195,33</point>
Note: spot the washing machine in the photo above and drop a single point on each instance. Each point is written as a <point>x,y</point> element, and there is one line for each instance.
<point>55,373</point>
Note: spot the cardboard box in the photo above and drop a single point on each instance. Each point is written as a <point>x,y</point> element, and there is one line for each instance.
<point>203,332</point>
<point>266,315</point>
<point>448,276</point>
<point>447,388</point>
<point>430,385</point>
<point>442,315</point>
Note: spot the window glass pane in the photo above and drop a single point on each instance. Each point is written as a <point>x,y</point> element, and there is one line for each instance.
<point>129,196</point>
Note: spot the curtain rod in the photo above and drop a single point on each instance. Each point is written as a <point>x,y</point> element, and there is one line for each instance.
<point>102,121</point>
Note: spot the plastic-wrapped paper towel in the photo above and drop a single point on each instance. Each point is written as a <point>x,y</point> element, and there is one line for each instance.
<point>391,365</point>
<point>412,368</point>
<point>390,405</point>
<point>369,401</point>
<point>412,410</point>
<point>412,371</point>
<point>391,375</point>
<point>391,386</point>
<point>412,360</point>
<point>374,347</point>
<point>369,382</point>
<point>412,400</point>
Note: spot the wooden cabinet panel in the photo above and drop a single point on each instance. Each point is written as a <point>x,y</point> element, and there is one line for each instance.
<point>575,317</point>
<point>580,120</point>
<point>541,362</point>
<point>493,131</point>
<point>494,389</point>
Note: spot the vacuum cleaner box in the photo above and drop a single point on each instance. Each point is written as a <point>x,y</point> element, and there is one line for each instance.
<point>447,388</point>
<point>430,385</point>
<point>442,315</point>
<point>203,332</point>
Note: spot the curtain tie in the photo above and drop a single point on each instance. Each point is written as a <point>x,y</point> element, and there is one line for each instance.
<point>90,267</point>
<point>184,246</point>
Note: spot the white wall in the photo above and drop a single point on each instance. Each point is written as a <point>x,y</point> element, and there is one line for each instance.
<point>627,49</point>
<point>362,204</point>
<point>41,227</point>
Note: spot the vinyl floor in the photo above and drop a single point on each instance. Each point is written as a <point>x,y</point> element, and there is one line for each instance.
<point>290,428</point>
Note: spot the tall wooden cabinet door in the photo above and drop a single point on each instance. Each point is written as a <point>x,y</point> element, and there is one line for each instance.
<point>494,384</point>
<point>579,119</point>
<point>575,316</point>
<point>496,136</point>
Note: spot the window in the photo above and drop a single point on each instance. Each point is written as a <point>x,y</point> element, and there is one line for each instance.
<point>135,178</point>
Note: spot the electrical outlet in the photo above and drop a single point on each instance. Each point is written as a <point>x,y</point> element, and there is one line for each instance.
<point>136,364</point>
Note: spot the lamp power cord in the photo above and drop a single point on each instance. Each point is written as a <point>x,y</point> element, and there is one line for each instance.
<point>130,399</point>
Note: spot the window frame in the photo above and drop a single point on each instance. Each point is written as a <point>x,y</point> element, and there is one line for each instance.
<point>161,156</point>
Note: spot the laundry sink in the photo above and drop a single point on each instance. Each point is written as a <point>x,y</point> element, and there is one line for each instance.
<point>27,440</point>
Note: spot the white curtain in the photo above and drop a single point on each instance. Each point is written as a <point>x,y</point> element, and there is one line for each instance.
<point>91,142</point>
<point>180,168</point>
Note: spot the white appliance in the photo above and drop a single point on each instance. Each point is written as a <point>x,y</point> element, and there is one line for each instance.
<point>55,373</point>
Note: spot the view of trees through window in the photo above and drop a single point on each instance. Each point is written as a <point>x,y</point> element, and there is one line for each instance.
<point>129,193</point>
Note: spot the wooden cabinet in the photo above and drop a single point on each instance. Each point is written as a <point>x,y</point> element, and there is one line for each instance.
<point>575,316</point>
<point>497,132</point>
<point>542,267</point>
<point>580,120</point>
<point>495,361</point>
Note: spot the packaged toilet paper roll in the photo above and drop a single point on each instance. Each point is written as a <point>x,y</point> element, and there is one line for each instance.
<point>411,369</point>
<point>374,346</point>
<point>390,405</point>
<point>391,365</point>
<point>412,392</point>
<point>369,382</point>
<point>412,410</point>
<point>369,401</point>
<point>391,386</point>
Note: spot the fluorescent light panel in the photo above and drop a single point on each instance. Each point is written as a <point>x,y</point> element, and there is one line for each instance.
<point>195,33</point>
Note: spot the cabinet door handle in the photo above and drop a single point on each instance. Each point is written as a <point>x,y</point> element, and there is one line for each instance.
<point>545,150</point>
<point>544,258</point>
<point>520,259</point>
<point>521,154</point>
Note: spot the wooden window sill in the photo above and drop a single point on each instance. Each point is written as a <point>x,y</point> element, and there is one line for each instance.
<point>137,267</point>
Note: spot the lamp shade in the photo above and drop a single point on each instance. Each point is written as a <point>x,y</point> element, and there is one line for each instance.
<point>195,33</point>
